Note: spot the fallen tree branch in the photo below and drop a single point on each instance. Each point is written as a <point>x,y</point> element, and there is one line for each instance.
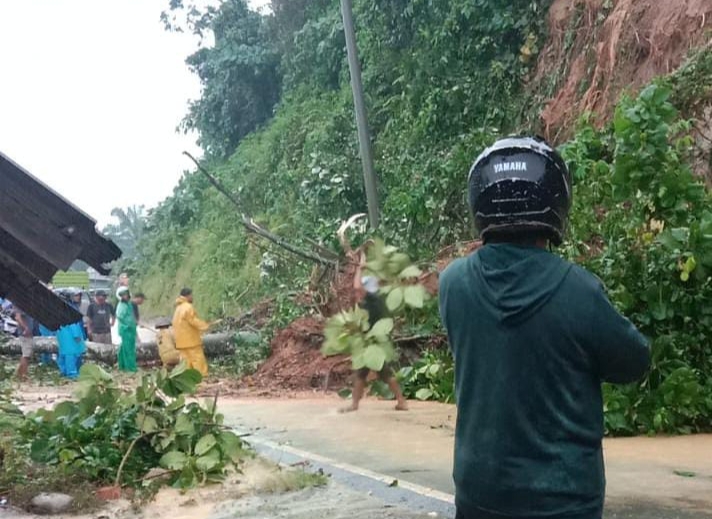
<point>322,249</point>
<point>215,344</point>
<point>271,249</point>
<point>251,226</point>
<point>345,226</point>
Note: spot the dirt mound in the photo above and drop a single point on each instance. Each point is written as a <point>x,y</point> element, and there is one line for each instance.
<point>342,295</point>
<point>296,362</point>
<point>599,48</point>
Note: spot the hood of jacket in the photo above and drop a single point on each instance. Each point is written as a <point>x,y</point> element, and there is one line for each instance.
<point>517,280</point>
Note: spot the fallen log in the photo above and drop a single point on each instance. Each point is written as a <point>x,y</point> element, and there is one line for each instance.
<point>216,345</point>
<point>252,226</point>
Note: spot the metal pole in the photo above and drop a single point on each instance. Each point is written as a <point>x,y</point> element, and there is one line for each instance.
<point>364,138</point>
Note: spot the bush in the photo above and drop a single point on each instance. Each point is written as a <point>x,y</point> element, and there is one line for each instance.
<point>251,350</point>
<point>432,377</point>
<point>642,222</point>
<point>21,479</point>
<point>110,436</point>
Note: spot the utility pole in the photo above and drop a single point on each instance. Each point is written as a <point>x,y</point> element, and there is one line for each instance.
<point>364,137</point>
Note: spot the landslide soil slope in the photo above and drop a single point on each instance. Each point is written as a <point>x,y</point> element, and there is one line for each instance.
<point>598,49</point>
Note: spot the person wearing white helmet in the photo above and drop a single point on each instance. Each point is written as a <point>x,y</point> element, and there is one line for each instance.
<point>127,330</point>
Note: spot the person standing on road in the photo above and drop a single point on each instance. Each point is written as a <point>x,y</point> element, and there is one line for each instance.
<point>77,301</point>
<point>533,336</point>
<point>127,331</point>
<point>71,348</point>
<point>71,344</point>
<point>366,289</point>
<point>188,330</point>
<point>25,327</point>
<point>101,318</point>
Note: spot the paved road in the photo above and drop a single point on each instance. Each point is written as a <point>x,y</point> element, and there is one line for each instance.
<point>648,478</point>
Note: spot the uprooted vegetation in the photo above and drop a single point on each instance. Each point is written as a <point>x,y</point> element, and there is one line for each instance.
<point>126,446</point>
<point>111,437</point>
<point>351,333</point>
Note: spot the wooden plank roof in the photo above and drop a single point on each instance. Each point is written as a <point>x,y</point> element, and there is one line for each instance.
<point>40,233</point>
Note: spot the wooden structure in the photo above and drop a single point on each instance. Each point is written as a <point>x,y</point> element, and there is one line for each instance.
<point>41,233</point>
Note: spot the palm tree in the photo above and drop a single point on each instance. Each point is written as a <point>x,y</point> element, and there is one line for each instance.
<point>130,226</point>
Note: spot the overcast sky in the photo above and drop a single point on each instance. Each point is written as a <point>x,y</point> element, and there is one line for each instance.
<point>90,97</point>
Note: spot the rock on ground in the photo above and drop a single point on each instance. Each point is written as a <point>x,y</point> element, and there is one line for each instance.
<point>51,503</point>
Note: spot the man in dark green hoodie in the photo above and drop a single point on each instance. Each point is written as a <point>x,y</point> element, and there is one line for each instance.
<point>533,337</point>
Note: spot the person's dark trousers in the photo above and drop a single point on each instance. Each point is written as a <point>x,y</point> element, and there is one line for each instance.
<point>459,514</point>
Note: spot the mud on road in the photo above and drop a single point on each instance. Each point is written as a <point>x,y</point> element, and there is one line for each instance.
<point>648,478</point>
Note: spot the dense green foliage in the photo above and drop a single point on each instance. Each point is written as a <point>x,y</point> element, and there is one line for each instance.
<point>643,223</point>
<point>110,436</point>
<point>432,377</point>
<point>443,80</point>
<point>238,72</point>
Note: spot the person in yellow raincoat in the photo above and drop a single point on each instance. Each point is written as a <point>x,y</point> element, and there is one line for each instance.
<point>188,330</point>
<point>166,344</point>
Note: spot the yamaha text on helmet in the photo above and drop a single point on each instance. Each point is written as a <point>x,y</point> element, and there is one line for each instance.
<point>520,185</point>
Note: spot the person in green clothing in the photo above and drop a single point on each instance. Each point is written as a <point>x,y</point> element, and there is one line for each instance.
<point>533,337</point>
<point>127,330</point>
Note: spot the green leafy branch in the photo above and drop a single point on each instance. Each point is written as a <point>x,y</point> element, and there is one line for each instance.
<point>114,436</point>
<point>350,333</point>
<point>395,272</point>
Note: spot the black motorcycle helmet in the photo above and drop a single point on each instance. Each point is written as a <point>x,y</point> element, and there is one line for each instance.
<point>520,186</point>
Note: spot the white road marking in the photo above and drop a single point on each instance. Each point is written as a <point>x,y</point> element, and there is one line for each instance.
<point>382,478</point>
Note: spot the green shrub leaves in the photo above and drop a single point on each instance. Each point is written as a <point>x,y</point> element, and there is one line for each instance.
<point>642,222</point>
<point>107,430</point>
<point>348,332</point>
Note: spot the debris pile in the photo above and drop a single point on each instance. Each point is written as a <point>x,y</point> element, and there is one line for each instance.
<point>296,362</point>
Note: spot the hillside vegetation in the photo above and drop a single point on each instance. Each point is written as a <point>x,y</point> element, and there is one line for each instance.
<point>443,80</point>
